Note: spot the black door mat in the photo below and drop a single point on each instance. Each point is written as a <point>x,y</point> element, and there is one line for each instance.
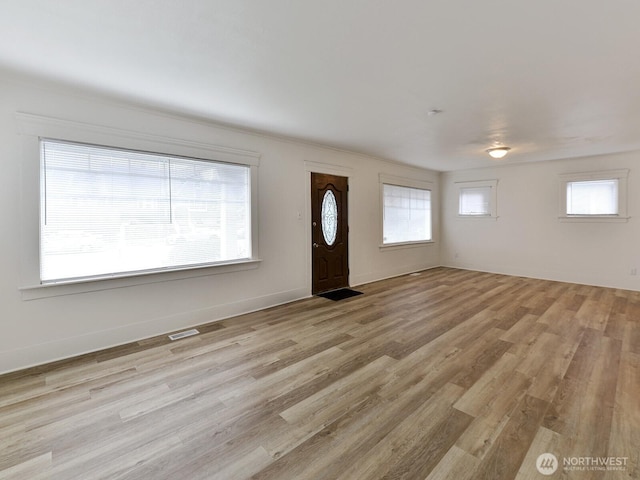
<point>340,294</point>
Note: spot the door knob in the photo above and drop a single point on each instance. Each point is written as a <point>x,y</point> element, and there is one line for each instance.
<point>315,245</point>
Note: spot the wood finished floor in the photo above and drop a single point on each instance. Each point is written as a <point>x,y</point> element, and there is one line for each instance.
<point>447,375</point>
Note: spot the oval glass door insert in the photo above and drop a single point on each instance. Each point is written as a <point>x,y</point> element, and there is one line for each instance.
<point>329,216</point>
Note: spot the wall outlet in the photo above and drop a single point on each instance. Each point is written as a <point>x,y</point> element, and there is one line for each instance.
<point>634,271</point>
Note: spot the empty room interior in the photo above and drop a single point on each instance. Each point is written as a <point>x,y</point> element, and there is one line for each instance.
<point>319,240</point>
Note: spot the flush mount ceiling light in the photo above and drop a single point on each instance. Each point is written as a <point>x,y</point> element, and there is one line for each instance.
<point>498,152</point>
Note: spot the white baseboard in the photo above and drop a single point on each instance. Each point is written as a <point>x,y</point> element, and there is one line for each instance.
<point>33,355</point>
<point>397,272</point>
<point>595,279</point>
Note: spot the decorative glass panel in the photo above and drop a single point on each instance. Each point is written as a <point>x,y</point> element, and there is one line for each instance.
<point>329,215</point>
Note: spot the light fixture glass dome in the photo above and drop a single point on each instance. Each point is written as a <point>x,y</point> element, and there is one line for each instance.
<point>498,152</point>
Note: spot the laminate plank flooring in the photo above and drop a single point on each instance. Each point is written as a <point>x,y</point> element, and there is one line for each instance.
<point>449,374</point>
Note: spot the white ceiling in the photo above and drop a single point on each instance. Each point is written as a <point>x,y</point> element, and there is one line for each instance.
<point>550,78</point>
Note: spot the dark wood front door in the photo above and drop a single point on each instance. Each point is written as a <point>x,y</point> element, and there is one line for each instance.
<point>330,232</point>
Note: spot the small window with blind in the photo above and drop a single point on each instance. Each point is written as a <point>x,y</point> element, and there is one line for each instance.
<point>477,199</point>
<point>112,212</point>
<point>406,212</point>
<point>599,196</point>
<point>593,197</point>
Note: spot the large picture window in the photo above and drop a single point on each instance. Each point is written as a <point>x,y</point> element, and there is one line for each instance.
<point>107,211</point>
<point>406,214</point>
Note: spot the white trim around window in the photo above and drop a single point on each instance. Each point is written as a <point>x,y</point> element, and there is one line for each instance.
<point>33,128</point>
<point>486,205</point>
<point>391,181</point>
<point>613,180</point>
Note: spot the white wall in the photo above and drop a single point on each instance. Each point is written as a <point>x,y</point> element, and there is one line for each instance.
<point>55,326</point>
<point>528,239</point>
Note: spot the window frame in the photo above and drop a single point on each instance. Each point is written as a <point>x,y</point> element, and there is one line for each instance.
<point>493,197</point>
<point>33,128</point>
<point>385,179</point>
<point>620,175</point>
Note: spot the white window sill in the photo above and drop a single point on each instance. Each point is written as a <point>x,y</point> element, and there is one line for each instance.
<point>478,217</point>
<point>593,219</point>
<point>399,246</point>
<point>94,284</point>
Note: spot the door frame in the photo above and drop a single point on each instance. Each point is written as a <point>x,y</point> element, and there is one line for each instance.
<point>329,169</point>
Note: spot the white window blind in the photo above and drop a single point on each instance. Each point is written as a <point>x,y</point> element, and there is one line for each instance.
<point>406,214</point>
<point>595,197</point>
<point>107,211</point>
<point>475,201</point>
